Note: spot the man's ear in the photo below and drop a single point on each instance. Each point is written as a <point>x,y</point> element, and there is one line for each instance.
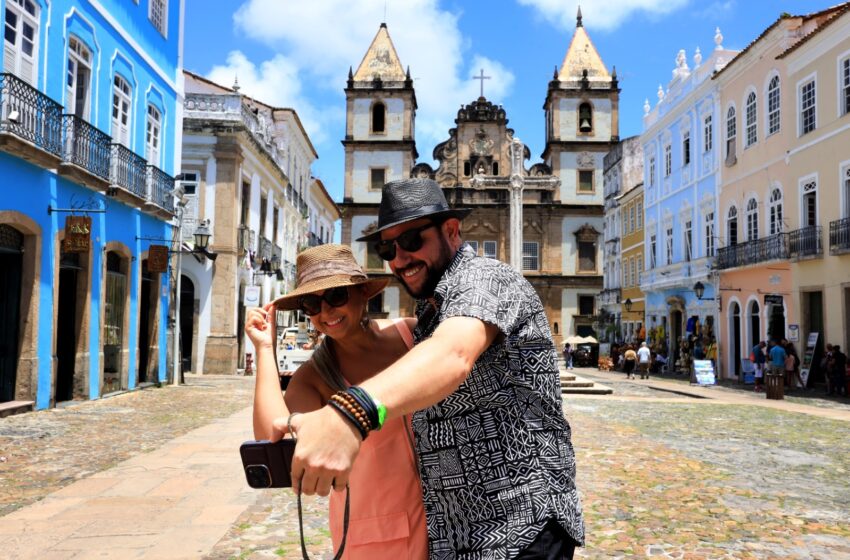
<point>451,228</point>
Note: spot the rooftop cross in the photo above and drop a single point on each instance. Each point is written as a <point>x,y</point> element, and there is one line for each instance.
<point>481,77</point>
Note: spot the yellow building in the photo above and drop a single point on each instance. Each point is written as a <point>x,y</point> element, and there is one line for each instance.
<point>631,259</point>
<point>818,160</point>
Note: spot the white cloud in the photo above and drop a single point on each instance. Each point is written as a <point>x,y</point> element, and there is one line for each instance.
<point>276,82</point>
<point>324,38</point>
<point>599,14</point>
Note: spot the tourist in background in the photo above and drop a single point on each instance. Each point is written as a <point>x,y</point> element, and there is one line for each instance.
<point>629,361</point>
<point>759,359</point>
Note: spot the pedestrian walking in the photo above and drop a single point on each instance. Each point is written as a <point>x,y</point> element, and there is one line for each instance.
<point>759,359</point>
<point>838,368</point>
<point>484,354</point>
<point>792,366</point>
<point>629,361</point>
<point>386,508</point>
<point>826,367</point>
<point>568,356</point>
<point>644,358</point>
<point>777,358</point>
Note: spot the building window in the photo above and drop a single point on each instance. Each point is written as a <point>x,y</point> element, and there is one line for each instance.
<point>846,192</point>
<point>669,245</point>
<point>585,180</point>
<point>158,14</point>
<point>732,227</point>
<point>708,133</point>
<point>775,211</point>
<point>639,262</point>
<point>686,148</point>
<point>652,251</point>
<point>264,209</point>
<point>21,39</point>
<point>377,178</point>
<point>709,234</point>
<point>689,237</point>
<point>376,304</point>
<point>121,103</point>
<point>731,133</point>
<point>752,120</point>
<point>585,118</point>
<point>276,225</point>
<point>752,220</point>
<point>652,172</point>
<point>640,215</point>
<point>152,135</point>
<point>379,117</point>
<point>668,160</point>
<point>586,256</point>
<point>473,245</point>
<point>586,305</point>
<point>807,107</point>
<point>530,255</point>
<point>490,249</point>
<point>632,222</point>
<point>633,271</point>
<point>373,261</point>
<point>78,79</point>
<point>845,80</point>
<point>773,121</point>
<point>810,203</point>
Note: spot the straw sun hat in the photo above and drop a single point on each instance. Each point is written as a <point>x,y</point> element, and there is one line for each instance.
<point>328,266</point>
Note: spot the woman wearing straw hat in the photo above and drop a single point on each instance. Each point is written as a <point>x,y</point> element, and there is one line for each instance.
<point>387,519</point>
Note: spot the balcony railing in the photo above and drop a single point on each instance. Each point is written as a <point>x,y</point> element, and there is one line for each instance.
<point>805,242</point>
<point>160,187</point>
<point>86,146</point>
<point>839,236</point>
<point>313,240</point>
<point>277,254</point>
<point>30,115</point>
<point>245,239</point>
<point>752,252</point>
<point>265,252</point>
<point>128,171</point>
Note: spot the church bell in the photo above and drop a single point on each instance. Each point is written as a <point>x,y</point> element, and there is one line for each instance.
<point>584,125</point>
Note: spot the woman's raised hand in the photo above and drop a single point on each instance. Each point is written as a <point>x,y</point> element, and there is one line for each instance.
<point>259,323</point>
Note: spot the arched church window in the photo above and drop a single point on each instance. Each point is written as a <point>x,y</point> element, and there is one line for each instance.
<point>585,118</point>
<point>379,117</point>
<point>495,168</point>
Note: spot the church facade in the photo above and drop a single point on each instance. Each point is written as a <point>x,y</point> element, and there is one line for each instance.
<point>555,204</point>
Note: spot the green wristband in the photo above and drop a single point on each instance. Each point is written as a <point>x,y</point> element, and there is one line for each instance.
<point>382,412</point>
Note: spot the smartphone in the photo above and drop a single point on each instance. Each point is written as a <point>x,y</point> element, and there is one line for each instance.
<point>268,465</point>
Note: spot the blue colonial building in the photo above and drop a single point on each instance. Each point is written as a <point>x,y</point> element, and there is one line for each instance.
<point>89,129</point>
<point>681,179</point>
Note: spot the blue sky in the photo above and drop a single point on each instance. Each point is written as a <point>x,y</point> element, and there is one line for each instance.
<point>296,53</point>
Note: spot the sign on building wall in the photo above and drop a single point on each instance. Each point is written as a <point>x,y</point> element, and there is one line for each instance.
<point>808,357</point>
<point>77,234</point>
<point>157,258</point>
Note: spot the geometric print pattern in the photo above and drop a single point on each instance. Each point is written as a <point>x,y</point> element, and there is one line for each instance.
<point>495,457</point>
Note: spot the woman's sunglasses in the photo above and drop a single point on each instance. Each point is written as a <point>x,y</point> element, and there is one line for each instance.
<point>311,304</point>
<point>410,241</point>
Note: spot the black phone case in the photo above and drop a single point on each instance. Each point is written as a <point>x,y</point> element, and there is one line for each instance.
<point>266,464</point>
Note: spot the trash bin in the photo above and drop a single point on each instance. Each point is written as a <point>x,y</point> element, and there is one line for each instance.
<point>775,386</point>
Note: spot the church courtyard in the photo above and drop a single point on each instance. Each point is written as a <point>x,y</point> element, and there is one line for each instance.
<point>662,475</point>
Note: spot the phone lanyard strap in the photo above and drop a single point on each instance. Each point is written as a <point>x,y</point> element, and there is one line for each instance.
<point>339,552</point>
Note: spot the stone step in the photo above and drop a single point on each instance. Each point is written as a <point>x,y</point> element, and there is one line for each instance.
<point>577,384</point>
<point>15,407</point>
<point>594,390</point>
<point>567,377</point>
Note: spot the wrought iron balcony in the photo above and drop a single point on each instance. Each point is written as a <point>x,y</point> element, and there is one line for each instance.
<point>86,146</point>
<point>805,242</point>
<point>128,171</point>
<point>839,236</point>
<point>265,252</point>
<point>752,252</point>
<point>30,115</point>
<point>277,255</point>
<point>160,187</point>
<point>245,239</point>
<point>313,239</point>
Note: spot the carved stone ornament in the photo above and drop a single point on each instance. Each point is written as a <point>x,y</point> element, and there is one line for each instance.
<point>476,225</point>
<point>585,160</point>
<point>381,60</point>
<point>447,180</point>
<point>369,229</point>
<point>587,233</point>
<point>534,225</point>
<point>481,145</point>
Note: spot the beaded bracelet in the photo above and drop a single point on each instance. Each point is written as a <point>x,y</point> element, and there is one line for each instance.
<point>351,413</point>
<point>376,411</point>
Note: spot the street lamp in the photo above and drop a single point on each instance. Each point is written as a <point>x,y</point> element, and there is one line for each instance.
<point>628,304</point>
<point>699,290</point>
<point>202,236</point>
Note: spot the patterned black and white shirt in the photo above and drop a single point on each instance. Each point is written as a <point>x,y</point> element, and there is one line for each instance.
<point>495,456</point>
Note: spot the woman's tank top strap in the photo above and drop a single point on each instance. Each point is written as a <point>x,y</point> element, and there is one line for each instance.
<point>404,331</point>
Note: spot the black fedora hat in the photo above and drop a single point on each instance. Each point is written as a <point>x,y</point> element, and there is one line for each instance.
<point>410,199</point>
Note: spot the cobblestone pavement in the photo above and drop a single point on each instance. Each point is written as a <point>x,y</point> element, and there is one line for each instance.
<point>662,476</point>
<point>43,451</point>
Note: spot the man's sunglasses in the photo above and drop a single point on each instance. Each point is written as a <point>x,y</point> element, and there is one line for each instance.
<point>410,241</point>
<point>311,304</point>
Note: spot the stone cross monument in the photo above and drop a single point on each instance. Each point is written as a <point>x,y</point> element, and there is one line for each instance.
<point>517,183</point>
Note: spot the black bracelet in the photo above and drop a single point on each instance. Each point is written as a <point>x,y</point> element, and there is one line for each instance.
<point>350,417</point>
<point>367,404</point>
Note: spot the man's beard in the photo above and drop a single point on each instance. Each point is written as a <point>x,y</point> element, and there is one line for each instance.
<point>434,275</point>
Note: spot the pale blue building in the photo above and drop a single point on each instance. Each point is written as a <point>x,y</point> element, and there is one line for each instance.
<point>682,159</point>
<point>88,122</point>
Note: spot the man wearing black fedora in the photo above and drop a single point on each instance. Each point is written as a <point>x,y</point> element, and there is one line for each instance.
<point>495,457</point>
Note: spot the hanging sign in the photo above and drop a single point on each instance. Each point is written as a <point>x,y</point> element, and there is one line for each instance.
<point>77,234</point>
<point>252,296</point>
<point>808,357</point>
<point>794,333</point>
<point>772,299</point>
<point>157,258</point>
